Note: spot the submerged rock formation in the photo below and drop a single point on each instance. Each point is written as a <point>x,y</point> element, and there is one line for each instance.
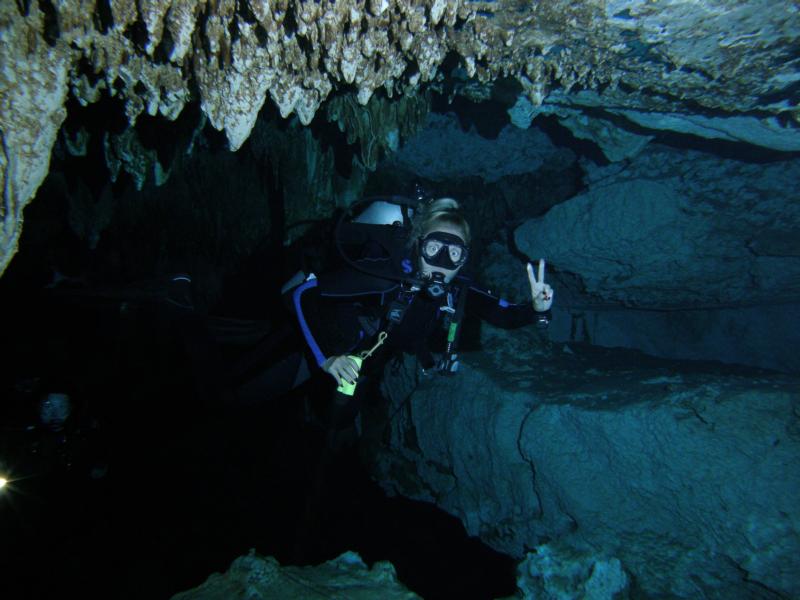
<point>33,90</point>
<point>255,578</point>
<point>703,248</point>
<point>556,572</point>
<point>678,229</point>
<point>443,152</point>
<point>684,473</point>
<point>672,58</point>
<point>381,125</point>
<point>680,479</point>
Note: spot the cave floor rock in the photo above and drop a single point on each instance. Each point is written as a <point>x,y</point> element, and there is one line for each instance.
<point>685,471</point>
<point>254,578</point>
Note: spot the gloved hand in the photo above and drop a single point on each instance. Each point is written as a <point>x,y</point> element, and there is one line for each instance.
<point>341,368</point>
<point>541,292</point>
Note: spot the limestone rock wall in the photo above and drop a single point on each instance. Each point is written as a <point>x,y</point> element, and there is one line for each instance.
<point>621,133</point>
<point>33,88</point>
<point>678,230</point>
<point>380,125</point>
<point>442,151</point>
<point>683,473</point>
<point>676,253</point>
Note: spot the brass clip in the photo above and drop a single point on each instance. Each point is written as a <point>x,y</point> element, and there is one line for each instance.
<point>381,337</point>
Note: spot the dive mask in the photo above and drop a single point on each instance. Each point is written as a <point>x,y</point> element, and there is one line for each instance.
<point>443,250</point>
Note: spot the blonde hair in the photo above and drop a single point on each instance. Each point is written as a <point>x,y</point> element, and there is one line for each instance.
<point>442,211</point>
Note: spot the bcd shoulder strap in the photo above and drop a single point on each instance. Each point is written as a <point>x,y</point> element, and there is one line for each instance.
<point>449,363</point>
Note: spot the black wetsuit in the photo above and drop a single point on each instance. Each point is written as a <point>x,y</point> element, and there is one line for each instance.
<point>342,312</point>
<point>339,317</point>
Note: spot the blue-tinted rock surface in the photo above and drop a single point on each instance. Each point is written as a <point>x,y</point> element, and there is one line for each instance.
<point>680,254</point>
<point>444,151</point>
<point>678,229</point>
<point>687,473</point>
<point>558,572</point>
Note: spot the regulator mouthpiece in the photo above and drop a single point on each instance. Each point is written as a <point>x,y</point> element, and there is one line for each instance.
<point>435,285</point>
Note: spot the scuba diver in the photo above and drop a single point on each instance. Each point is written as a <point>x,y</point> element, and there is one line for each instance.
<point>402,282</point>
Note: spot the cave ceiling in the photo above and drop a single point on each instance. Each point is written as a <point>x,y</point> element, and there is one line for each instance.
<point>715,58</point>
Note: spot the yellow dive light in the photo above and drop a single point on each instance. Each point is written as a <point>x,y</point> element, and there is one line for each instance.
<point>347,388</point>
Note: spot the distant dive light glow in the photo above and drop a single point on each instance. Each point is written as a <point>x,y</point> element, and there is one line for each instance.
<point>3,482</point>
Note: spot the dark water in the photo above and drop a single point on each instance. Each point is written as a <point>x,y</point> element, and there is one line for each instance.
<point>191,483</point>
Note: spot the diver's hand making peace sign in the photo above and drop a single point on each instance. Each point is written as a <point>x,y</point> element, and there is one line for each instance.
<point>541,292</point>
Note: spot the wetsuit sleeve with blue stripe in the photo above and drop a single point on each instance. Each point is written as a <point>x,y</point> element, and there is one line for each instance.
<point>501,313</point>
<point>329,327</point>
<point>328,310</point>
